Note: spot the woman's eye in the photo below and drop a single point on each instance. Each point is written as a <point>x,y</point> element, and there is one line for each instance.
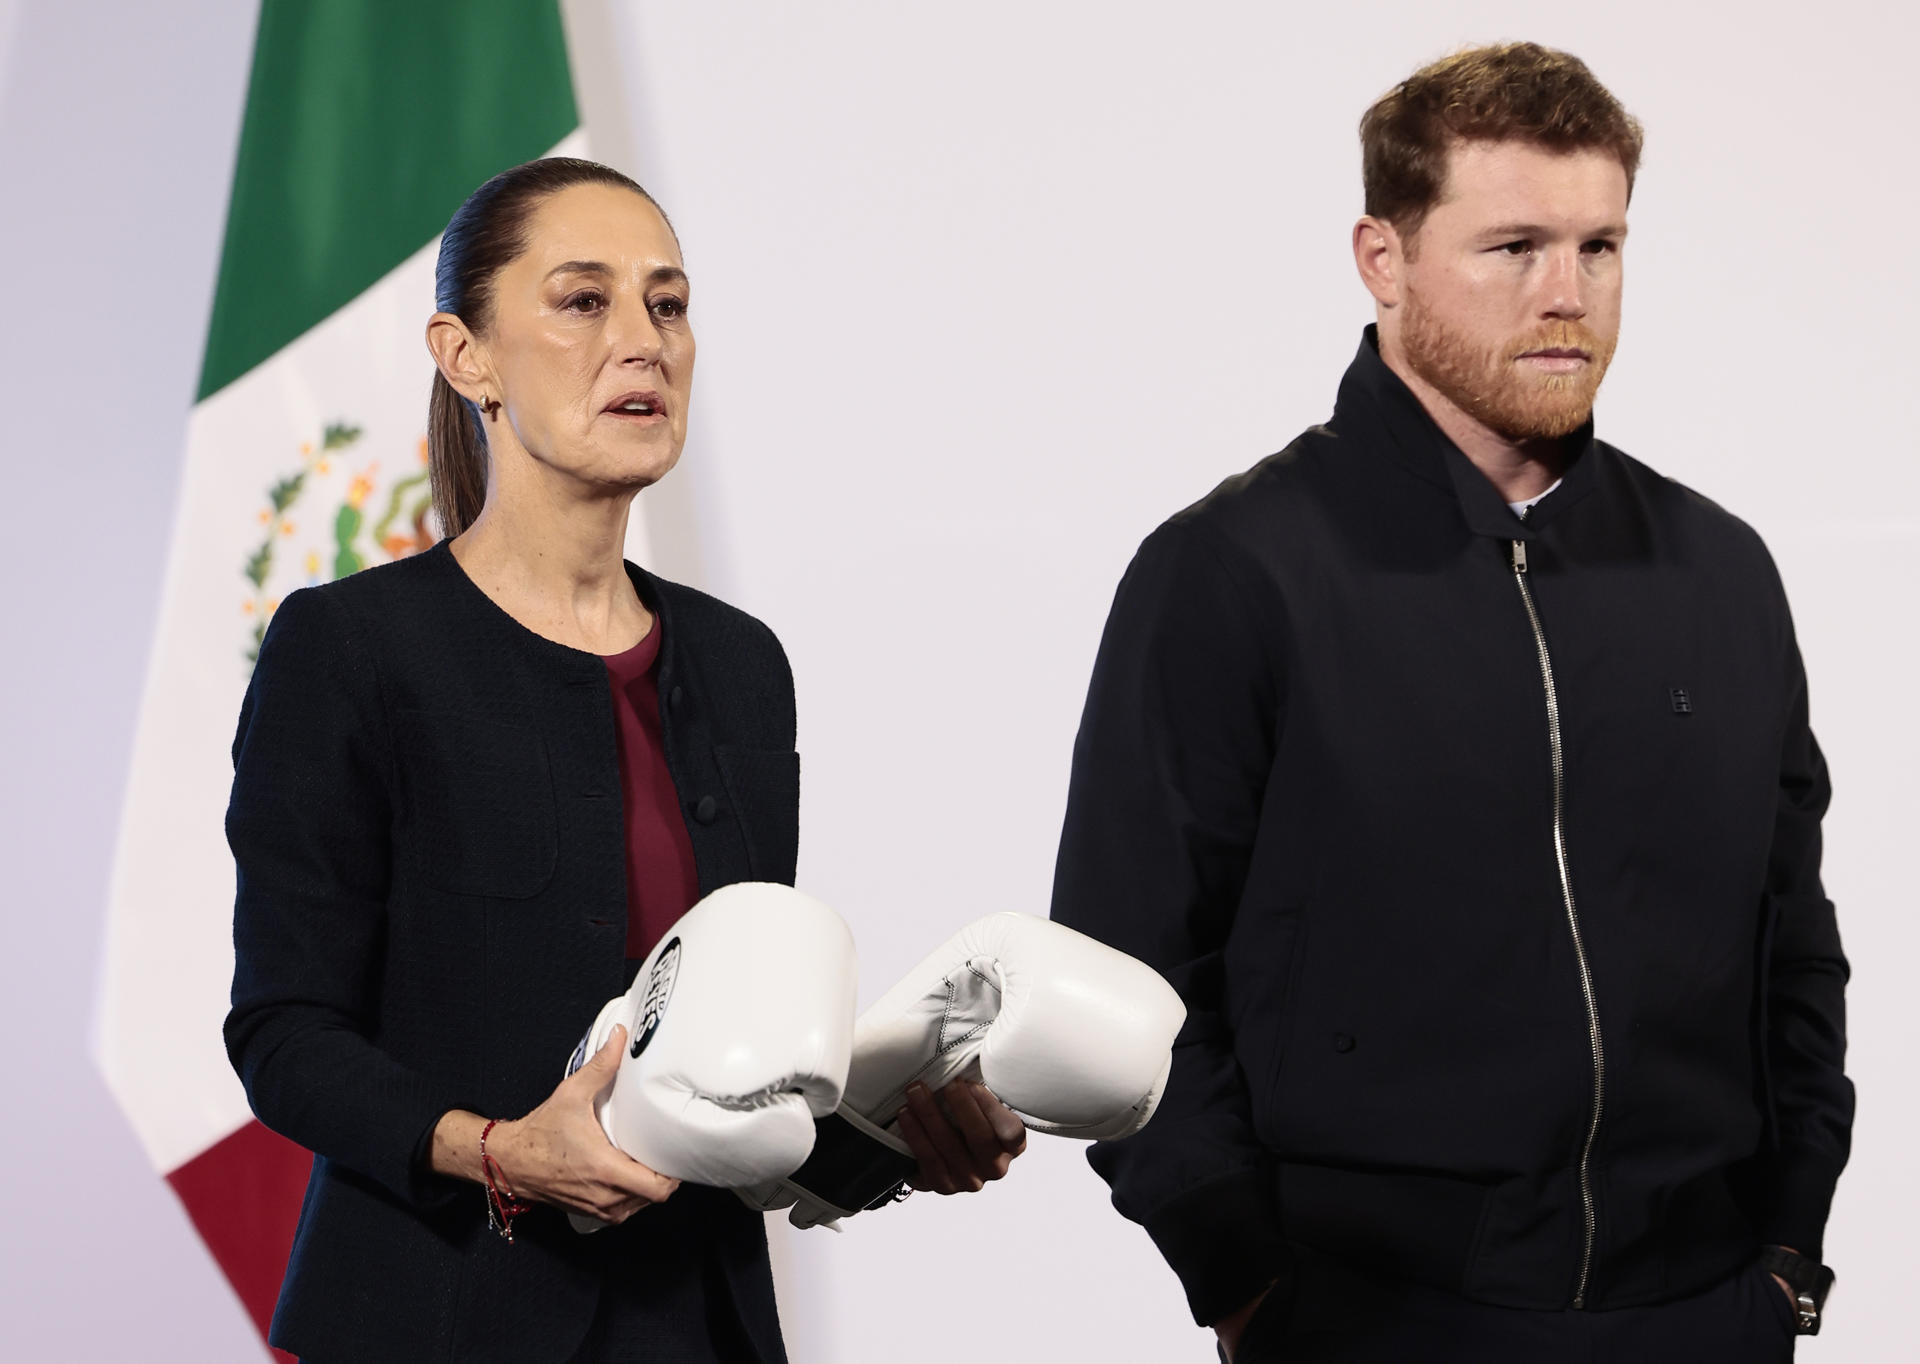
<point>587,302</point>
<point>670,308</point>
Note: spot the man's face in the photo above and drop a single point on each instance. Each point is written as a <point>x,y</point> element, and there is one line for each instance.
<point>1511,287</point>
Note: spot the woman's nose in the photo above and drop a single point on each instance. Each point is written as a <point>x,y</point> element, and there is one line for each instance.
<point>634,336</point>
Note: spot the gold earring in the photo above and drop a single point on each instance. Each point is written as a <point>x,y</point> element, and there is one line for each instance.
<point>490,406</point>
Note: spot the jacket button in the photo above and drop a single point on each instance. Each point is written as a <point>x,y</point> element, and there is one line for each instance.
<point>706,810</point>
<point>1342,1043</point>
<point>673,699</point>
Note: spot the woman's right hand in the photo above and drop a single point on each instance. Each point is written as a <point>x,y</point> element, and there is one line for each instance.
<point>558,1153</point>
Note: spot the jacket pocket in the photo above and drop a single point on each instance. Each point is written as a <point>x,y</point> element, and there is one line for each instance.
<point>764,786</point>
<point>1263,1341</point>
<point>1774,1304</point>
<point>479,795</point>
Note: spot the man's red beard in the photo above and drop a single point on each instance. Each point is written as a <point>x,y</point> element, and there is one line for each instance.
<point>1489,383</point>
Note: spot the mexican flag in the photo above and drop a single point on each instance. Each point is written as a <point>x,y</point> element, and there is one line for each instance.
<point>367,122</point>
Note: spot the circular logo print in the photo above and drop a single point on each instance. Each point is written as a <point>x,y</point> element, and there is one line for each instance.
<point>659,989</point>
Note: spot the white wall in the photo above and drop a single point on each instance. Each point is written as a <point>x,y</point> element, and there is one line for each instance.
<point>982,294</point>
<point>117,131</point>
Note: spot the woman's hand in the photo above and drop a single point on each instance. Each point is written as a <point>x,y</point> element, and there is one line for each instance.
<point>962,1139</point>
<point>558,1153</point>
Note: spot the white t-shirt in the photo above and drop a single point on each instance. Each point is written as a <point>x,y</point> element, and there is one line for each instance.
<point>1522,508</point>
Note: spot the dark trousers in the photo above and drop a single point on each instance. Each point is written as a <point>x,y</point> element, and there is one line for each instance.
<point>1338,1316</point>
<point>686,1318</point>
<point>652,1318</point>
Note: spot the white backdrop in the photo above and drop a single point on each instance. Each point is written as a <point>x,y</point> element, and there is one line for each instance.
<point>982,296</point>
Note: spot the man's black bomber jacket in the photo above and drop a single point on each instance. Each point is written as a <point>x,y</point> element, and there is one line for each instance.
<point>1314,786</point>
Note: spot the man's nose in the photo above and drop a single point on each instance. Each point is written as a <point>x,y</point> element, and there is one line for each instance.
<point>1564,287</point>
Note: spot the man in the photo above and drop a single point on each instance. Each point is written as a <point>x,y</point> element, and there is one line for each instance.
<point>1455,768</point>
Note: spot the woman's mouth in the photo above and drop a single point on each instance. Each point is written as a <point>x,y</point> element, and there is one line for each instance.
<point>643,406</point>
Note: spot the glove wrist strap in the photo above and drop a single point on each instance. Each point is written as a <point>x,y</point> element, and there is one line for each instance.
<point>855,1165</point>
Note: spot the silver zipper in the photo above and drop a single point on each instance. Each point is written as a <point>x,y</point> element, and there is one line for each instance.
<point>1573,919</point>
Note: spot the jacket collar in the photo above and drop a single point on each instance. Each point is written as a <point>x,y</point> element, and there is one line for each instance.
<point>1376,406</point>
<point>648,588</point>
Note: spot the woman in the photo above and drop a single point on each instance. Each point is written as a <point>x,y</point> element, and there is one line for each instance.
<point>471,784</point>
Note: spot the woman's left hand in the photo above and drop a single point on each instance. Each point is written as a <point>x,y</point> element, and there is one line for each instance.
<point>962,1137</point>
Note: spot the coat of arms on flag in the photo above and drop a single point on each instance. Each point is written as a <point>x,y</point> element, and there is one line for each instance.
<point>366,125</point>
<point>331,515</point>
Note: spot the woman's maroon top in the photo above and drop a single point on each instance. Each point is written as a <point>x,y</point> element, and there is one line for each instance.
<point>661,881</point>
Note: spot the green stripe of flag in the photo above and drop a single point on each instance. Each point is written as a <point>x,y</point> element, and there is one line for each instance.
<point>367,122</point>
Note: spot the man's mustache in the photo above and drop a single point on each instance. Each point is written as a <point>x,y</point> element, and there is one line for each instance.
<point>1559,336</point>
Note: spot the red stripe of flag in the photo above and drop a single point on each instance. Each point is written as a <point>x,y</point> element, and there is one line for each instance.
<point>243,1194</point>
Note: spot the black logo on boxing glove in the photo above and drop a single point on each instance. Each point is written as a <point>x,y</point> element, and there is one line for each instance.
<point>659,989</point>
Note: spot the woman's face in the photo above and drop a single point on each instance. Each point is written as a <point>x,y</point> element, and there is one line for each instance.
<point>590,340</point>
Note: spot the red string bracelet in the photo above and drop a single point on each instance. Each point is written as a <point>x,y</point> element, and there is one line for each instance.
<point>501,1208</point>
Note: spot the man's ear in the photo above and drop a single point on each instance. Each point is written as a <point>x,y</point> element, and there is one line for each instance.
<point>1378,255</point>
<point>461,358</point>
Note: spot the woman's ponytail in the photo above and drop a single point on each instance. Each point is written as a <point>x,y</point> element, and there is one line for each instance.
<point>456,458</point>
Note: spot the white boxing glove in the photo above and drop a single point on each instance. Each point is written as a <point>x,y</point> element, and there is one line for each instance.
<point>739,1030</point>
<point>1072,1035</point>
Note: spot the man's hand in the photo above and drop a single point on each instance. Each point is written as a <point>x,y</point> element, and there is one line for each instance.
<point>1787,1288</point>
<point>1792,1298</point>
<point>1231,1328</point>
<point>963,1137</point>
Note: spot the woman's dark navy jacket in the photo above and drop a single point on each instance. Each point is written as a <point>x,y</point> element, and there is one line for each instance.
<point>431,908</point>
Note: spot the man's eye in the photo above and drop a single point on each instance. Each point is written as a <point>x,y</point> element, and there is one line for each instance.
<point>1599,247</point>
<point>1519,248</point>
<point>586,302</point>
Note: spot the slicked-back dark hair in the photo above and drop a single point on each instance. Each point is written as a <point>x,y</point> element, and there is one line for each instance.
<point>1510,91</point>
<point>485,234</point>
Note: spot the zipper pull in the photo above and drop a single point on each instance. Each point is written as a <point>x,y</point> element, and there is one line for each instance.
<point>1519,556</point>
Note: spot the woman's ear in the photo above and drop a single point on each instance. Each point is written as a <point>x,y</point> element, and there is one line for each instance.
<point>1378,256</point>
<point>461,357</point>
